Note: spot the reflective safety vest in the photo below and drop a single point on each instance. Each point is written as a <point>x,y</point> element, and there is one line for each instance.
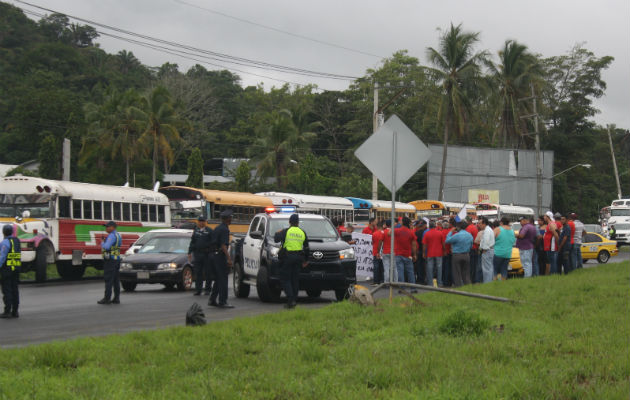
<point>295,238</point>
<point>14,257</point>
<point>114,252</point>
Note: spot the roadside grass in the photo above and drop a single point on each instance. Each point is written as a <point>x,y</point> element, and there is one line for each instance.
<point>51,273</point>
<point>565,337</point>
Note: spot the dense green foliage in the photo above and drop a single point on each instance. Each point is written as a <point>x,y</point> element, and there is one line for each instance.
<point>132,123</point>
<point>195,169</point>
<point>564,337</point>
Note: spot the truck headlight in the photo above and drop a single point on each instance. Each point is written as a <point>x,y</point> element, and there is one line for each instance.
<point>273,251</point>
<point>126,266</point>
<point>167,266</point>
<point>347,254</point>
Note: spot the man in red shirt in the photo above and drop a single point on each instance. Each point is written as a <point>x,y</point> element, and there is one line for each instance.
<point>433,250</point>
<point>368,230</point>
<point>377,238</point>
<point>405,248</point>
<point>475,267</point>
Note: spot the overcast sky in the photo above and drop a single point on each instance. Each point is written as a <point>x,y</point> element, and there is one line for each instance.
<point>550,27</point>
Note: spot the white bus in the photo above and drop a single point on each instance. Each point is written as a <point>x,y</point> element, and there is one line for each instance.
<point>62,222</point>
<point>498,211</point>
<point>329,206</point>
<point>382,209</point>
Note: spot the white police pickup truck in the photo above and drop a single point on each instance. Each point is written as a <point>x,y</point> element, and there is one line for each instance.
<point>331,261</point>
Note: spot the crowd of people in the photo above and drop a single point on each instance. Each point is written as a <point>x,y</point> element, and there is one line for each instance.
<point>450,253</point>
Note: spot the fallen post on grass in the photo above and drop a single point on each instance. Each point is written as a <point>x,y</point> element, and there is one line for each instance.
<point>442,290</point>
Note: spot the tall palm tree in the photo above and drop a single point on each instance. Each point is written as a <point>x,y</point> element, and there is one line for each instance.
<point>280,141</point>
<point>517,70</point>
<point>458,70</point>
<point>161,127</point>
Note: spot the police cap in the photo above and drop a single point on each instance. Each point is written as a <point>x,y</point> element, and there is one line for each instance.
<point>7,230</point>
<point>226,214</point>
<point>110,223</point>
<point>201,218</point>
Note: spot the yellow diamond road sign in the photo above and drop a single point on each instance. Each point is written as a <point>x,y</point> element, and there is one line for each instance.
<point>393,165</point>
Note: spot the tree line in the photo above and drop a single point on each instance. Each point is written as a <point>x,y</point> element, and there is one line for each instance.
<point>129,122</point>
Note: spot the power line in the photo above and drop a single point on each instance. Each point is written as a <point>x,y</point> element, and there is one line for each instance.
<point>222,56</point>
<point>271,28</point>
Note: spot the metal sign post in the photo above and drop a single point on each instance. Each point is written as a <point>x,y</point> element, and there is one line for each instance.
<point>393,215</point>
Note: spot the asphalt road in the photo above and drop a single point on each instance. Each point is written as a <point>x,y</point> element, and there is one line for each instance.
<point>61,310</point>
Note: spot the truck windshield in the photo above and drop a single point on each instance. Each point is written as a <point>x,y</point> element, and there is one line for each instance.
<point>620,212</point>
<point>319,229</point>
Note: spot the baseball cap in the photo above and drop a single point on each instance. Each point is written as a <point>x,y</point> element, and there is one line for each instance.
<point>110,223</point>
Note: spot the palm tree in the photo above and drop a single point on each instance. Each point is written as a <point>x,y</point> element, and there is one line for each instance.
<point>517,70</point>
<point>281,140</point>
<point>127,61</point>
<point>161,126</point>
<point>458,69</point>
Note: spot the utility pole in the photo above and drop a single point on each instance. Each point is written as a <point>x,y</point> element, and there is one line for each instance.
<point>612,152</point>
<point>539,163</point>
<point>376,123</point>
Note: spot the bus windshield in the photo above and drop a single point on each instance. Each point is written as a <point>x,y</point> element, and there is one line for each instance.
<point>41,210</point>
<point>186,210</point>
<point>361,216</point>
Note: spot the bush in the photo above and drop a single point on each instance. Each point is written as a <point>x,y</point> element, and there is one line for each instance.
<point>462,323</point>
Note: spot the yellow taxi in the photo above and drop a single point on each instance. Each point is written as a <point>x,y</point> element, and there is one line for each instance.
<point>594,247</point>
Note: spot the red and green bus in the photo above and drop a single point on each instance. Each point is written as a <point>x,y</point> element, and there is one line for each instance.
<point>62,222</point>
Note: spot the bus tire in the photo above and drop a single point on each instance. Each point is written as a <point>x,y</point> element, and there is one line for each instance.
<point>70,272</point>
<point>41,262</point>
<point>266,293</point>
<point>241,290</point>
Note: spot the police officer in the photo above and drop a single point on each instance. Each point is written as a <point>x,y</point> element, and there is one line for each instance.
<point>10,262</point>
<point>111,264</point>
<point>199,253</point>
<point>222,262</point>
<point>295,243</point>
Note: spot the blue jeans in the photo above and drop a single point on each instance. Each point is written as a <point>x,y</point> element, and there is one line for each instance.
<point>565,259</point>
<point>500,266</point>
<point>535,265</point>
<point>434,262</point>
<point>526,261</point>
<point>378,270</point>
<point>447,273</point>
<point>406,273</point>
<point>386,269</point>
<point>552,259</point>
<point>475,267</point>
<point>576,256</point>
<point>487,267</point>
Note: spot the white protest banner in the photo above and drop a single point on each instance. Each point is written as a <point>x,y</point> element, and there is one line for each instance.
<point>363,251</point>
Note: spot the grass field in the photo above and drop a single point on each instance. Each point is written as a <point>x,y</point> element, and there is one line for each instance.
<point>566,337</point>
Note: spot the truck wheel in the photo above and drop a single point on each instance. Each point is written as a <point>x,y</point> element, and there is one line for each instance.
<point>41,262</point>
<point>241,290</point>
<point>70,272</point>
<point>314,293</point>
<point>341,294</point>
<point>186,280</point>
<point>266,293</point>
<point>128,286</point>
<point>603,257</point>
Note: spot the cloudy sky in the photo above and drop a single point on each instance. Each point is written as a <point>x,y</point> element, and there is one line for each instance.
<point>346,37</point>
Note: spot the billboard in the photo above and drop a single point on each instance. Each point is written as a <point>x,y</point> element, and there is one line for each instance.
<point>483,196</point>
<point>511,173</point>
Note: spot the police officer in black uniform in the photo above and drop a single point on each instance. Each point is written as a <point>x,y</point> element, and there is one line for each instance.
<point>10,262</point>
<point>200,254</point>
<point>295,255</point>
<point>222,262</point>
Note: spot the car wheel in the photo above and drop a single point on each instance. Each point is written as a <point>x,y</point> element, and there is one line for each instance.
<point>603,257</point>
<point>341,294</point>
<point>186,280</point>
<point>129,286</point>
<point>266,292</point>
<point>241,290</point>
<point>169,285</point>
<point>314,293</point>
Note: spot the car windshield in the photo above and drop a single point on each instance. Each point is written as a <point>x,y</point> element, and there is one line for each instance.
<point>166,244</point>
<point>620,212</point>
<point>622,227</point>
<point>318,229</point>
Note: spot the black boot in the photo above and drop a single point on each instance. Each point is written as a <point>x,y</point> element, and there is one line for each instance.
<point>6,314</point>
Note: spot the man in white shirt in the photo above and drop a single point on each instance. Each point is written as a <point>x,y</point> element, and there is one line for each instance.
<point>576,254</point>
<point>486,248</point>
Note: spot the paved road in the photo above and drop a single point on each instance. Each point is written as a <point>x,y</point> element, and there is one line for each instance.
<point>56,311</point>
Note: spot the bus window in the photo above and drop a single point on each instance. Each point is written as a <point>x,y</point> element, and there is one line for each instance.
<point>98,210</point>
<point>117,214</point>
<point>87,209</point>
<point>64,207</point>
<point>107,210</point>
<point>144,212</point>
<point>135,212</point>
<point>76,209</point>
<point>153,213</point>
<point>127,211</point>
<point>161,214</point>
